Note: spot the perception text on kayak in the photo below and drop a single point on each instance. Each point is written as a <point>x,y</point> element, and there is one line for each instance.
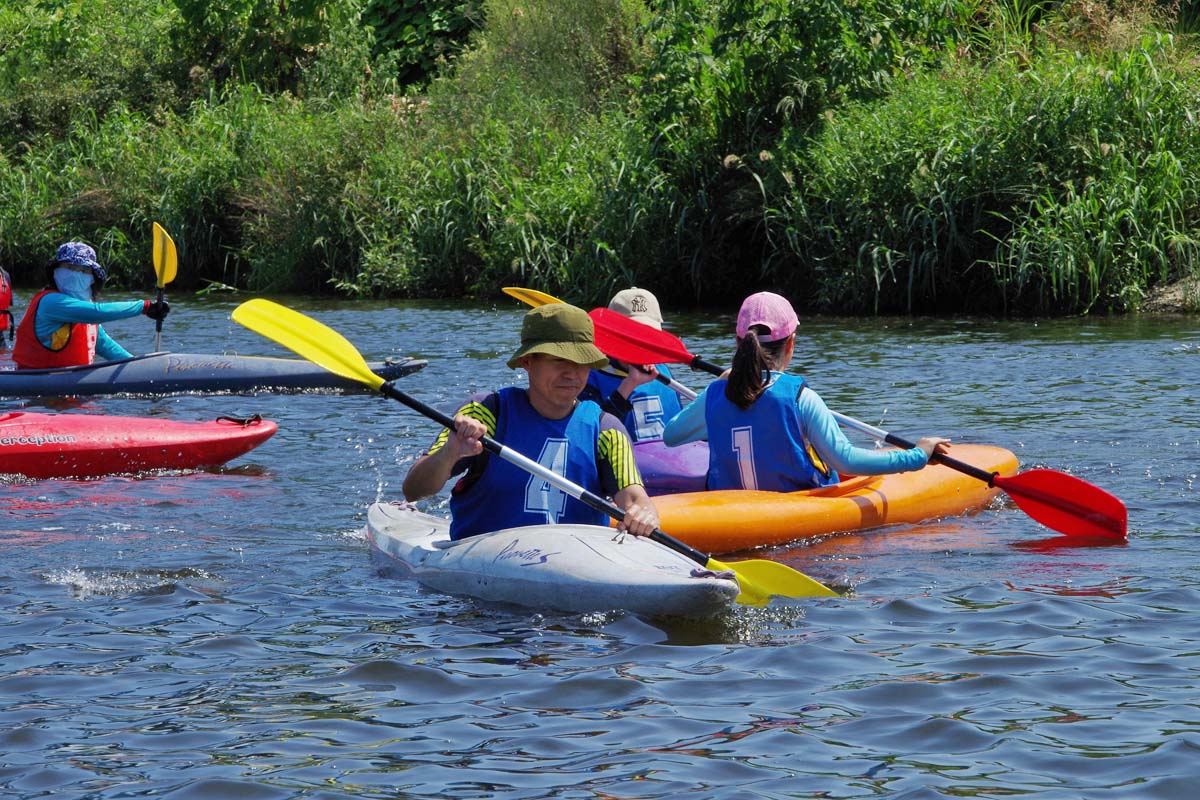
<point>38,441</point>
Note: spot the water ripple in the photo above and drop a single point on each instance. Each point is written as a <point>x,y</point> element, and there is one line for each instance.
<point>223,634</point>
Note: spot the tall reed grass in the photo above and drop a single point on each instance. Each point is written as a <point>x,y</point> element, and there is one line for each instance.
<point>1061,185</point>
<point>890,155</point>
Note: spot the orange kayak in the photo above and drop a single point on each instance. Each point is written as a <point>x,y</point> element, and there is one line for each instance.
<point>737,519</point>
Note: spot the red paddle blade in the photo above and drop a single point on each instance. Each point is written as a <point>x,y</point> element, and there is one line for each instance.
<point>1067,504</point>
<point>635,342</point>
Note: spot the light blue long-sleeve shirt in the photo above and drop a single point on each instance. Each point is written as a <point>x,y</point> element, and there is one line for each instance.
<point>57,309</point>
<point>820,429</point>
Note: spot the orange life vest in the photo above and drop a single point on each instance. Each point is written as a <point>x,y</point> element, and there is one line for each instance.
<point>72,345</point>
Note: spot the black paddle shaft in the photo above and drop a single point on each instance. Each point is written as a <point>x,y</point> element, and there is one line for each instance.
<point>590,499</point>
<point>953,463</point>
<point>158,322</point>
<point>989,478</point>
<point>700,365</point>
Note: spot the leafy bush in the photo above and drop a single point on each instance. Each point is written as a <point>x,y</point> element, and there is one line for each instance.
<point>520,167</point>
<point>509,169</point>
<point>710,147</point>
<point>1059,187</point>
<point>416,35</point>
<point>264,42</point>
<point>728,81</point>
<point>61,58</point>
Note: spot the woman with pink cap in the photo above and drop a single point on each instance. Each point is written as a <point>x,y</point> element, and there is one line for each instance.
<point>769,430</point>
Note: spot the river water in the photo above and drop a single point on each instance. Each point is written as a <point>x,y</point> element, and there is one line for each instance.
<point>223,634</point>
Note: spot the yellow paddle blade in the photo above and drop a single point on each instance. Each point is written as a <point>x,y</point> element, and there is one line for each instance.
<point>165,258</point>
<point>531,297</point>
<point>759,580</point>
<point>306,337</point>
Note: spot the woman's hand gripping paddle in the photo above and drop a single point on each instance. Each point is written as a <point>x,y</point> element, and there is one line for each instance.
<point>165,263</point>
<point>1061,502</point>
<point>758,580</point>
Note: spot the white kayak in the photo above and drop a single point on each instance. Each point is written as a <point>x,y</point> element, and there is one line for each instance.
<point>574,568</point>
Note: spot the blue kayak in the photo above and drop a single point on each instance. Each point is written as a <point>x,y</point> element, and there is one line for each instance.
<point>189,373</point>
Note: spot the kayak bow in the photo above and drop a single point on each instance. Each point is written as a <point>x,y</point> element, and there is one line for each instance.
<point>89,445</point>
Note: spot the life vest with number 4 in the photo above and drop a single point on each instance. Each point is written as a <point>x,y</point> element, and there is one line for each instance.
<point>506,496</point>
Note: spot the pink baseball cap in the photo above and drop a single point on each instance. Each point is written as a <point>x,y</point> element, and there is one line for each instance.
<point>771,311</point>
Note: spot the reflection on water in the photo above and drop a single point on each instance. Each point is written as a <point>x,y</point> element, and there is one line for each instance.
<point>223,634</point>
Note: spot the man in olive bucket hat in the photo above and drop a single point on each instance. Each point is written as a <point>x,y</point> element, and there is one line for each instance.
<point>547,423</point>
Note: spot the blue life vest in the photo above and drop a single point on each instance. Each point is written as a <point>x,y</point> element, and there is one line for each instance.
<point>762,447</point>
<point>506,496</point>
<point>654,403</point>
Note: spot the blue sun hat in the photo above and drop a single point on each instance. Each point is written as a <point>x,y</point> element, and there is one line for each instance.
<point>81,255</point>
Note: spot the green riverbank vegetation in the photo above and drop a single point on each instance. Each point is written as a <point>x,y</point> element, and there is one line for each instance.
<point>862,156</point>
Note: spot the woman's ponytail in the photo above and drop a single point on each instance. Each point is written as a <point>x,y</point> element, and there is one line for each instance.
<point>752,364</point>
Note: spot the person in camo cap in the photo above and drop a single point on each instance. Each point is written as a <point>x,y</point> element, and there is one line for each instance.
<point>548,423</point>
<point>62,324</point>
<point>769,430</point>
<point>632,392</point>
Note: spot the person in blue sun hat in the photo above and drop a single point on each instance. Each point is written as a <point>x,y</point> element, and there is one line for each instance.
<point>62,324</point>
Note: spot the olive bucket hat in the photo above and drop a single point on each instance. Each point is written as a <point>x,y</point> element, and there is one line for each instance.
<point>562,330</point>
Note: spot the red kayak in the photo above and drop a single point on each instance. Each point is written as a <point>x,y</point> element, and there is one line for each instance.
<point>87,445</point>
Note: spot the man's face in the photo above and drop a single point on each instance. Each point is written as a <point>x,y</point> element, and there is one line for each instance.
<point>555,380</point>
